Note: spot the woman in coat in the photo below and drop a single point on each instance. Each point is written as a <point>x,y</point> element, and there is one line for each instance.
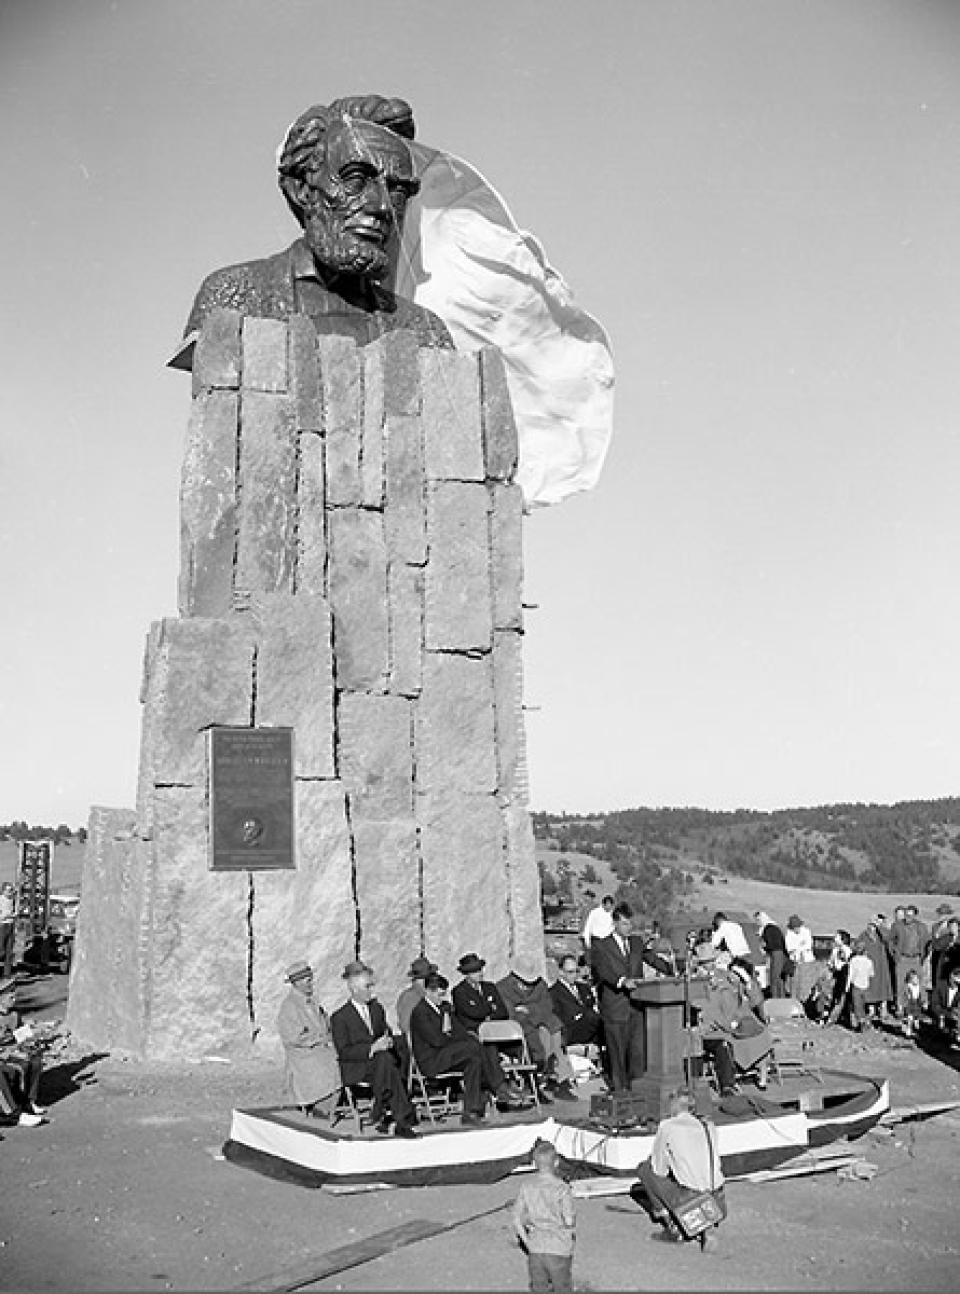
<point>880,991</point>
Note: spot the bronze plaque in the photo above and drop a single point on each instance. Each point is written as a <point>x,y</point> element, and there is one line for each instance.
<point>251,799</point>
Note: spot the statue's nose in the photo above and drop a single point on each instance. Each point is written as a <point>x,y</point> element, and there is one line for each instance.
<point>377,196</point>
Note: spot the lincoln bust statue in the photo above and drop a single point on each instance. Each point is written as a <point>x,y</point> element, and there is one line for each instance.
<point>347,175</point>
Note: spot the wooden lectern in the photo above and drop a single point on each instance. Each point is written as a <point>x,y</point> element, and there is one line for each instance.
<point>664,1003</point>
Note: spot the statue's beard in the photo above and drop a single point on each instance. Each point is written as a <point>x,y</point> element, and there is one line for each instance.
<point>339,251</point>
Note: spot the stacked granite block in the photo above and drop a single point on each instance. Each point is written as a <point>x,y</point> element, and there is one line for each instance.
<point>351,568</point>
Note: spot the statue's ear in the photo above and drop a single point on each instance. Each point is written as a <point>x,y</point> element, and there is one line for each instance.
<point>299,193</point>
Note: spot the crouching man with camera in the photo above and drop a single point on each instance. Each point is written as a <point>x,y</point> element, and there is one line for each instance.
<point>681,1184</point>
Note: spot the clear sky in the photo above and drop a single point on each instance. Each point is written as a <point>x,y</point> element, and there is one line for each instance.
<point>758,605</point>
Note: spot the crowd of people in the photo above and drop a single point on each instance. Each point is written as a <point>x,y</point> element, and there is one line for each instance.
<point>438,1030</point>
<point>893,971</point>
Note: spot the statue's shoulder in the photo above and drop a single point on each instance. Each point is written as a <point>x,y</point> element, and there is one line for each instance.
<point>262,287</point>
<point>429,328</point>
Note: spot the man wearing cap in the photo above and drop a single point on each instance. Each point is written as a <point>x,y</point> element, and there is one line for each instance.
<point>441,1044</point>
<point>618,965</point>
<point>366,1052</point>
<point>420,968</point>
<point>310,1061</point>
<point>527,999</point>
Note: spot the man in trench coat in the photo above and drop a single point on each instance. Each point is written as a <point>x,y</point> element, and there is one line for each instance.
<point>311,1062</point>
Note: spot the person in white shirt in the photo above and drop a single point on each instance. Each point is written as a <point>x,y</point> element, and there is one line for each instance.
<point>599,922</point>
<point>684,1162</point>
<point>728,937</point>
<point>798,939</point>
<point>860,970</point>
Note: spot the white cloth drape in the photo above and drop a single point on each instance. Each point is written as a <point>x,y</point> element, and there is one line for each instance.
<point>463,257</point>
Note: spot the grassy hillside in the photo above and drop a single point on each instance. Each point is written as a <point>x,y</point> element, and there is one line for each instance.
<point>911,847</point>
<point>823,910</point>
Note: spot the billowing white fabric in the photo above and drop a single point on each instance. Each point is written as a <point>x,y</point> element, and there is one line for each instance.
<point>464,258</point>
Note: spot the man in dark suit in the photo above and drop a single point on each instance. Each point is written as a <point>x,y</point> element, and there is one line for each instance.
<point>617,964</point>
<point>366,1051</point>
<point>573,1002</point>
<point>441,1044</point>
<point>474,998</point>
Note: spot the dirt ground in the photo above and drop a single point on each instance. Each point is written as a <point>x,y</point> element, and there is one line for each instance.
<point>125,1189</point>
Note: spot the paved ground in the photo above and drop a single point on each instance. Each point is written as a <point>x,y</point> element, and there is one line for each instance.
<point>124,1190</point>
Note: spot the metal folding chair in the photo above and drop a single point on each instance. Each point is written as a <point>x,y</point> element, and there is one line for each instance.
<point>517,1067</point>
<point>355,1102</point>
<point>433,1096</point>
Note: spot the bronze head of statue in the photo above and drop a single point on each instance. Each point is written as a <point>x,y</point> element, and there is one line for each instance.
<point>347,176</point>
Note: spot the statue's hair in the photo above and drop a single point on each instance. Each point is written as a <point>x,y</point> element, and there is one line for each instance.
<point>301,153</point>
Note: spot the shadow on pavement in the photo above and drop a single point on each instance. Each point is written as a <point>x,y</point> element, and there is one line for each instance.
<point>62,1080</point>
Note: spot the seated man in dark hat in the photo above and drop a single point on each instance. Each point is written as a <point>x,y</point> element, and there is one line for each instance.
<point>367,1052</point>
<point>476,999</point>
<point>420,968</point>
<point>441,1044</point>
<point>311,1064</point>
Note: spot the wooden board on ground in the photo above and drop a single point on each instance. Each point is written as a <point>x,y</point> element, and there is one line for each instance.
<point>360,1252</point>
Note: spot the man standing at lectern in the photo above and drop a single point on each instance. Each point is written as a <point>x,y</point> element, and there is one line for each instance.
<point>618,966</point>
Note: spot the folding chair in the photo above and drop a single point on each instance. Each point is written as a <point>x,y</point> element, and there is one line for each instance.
<point>355,1102</point>
<point>522,1070</point>
<point>433,1096</point>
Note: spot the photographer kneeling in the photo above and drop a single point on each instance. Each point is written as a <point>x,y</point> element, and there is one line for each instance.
<point>681,1184</point>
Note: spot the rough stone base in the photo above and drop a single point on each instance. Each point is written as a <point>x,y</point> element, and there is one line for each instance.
<point>351,569</point>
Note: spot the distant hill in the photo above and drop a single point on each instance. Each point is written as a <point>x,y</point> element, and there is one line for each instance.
<point>912,847</point>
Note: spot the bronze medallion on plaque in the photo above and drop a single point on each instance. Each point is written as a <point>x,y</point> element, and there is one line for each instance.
<point>251,799</point>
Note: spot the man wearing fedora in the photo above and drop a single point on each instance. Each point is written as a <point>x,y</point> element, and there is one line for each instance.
<point>476,999</point>
<point>420,968</point>
<point>366,1050</point>
<point>310,1061</point>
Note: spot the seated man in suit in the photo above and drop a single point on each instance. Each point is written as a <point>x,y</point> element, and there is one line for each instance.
<point>527,998</point>
<point>440,1043</point>
<point>618,966</point>
<point>420,968</point>
<point>367,1052</point>
<point>573,1002</point>
<point>945,1007</point>
<point>475,999</point>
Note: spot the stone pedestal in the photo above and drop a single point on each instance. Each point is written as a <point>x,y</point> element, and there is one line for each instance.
<point>350,568</point>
